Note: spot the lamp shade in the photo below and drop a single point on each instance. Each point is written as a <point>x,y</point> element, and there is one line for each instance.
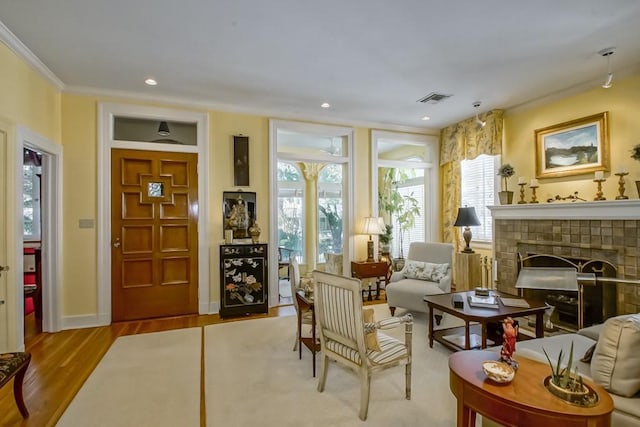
<point>371,226</point>
<point>466,217</point>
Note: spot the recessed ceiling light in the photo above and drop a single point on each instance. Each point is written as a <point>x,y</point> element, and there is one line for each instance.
<point>150,81</point>
<point>425,118</point>
<point>325,105</point>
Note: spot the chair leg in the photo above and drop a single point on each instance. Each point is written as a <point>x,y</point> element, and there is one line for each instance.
<point>17,390</point>
<point>407,374</point>
<point>438,318</point>
<point>322,379</point>
<point>365,385</point>
<point>392,310</point>
<point>297,342</point>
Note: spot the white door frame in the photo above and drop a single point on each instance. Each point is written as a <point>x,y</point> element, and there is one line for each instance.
<point>106,114</point>
<point>347,186</point>
<point>51,231</point>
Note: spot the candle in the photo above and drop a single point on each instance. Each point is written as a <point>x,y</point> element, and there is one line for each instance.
<point>599,175</point>
<point>522,180</point>
<point>533,183</point>
<point>621,169</point>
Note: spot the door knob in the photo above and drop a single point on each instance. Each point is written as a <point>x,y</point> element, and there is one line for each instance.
<point>116,243</point>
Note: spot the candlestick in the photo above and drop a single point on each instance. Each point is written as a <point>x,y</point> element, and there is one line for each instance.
<point>599,192</point>
<point>522,200</point>
<point>621,173</point>
<point>598,175</point>
<point>533,185</point>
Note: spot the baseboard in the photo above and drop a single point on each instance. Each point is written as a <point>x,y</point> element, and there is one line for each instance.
<point>212,307</point>
<point>84,321</point>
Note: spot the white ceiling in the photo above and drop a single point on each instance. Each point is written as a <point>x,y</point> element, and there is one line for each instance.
<point>371,59</point>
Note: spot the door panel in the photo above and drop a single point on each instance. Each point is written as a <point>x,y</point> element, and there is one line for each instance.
<point>154,234</point>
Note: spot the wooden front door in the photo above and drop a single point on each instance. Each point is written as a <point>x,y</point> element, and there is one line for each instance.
<point>154,234</point>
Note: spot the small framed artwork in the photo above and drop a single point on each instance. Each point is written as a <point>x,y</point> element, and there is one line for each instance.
<point>241,161</point>
<point>575,147</point>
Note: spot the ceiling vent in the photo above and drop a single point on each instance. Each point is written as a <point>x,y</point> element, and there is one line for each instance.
<point>434,98</point>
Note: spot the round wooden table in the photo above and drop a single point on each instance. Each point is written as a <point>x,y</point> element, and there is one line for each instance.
<point>523,402</point>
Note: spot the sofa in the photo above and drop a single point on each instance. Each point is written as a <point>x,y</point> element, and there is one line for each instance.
<point>427,271</point>
<point>614,364</point>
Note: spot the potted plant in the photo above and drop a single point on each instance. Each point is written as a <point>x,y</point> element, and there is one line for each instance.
<point>563,382</point>
<point>506,171</point>
<point>635,155</point>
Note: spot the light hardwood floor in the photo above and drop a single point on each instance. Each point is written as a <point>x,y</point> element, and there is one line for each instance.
<point>61,362</point>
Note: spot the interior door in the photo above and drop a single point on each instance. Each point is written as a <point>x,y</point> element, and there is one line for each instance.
<point>154,235</point>
<point>4,320</point>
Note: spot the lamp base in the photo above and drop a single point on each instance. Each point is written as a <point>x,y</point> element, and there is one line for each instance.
<point>466,235</point>
<point>369,250</point>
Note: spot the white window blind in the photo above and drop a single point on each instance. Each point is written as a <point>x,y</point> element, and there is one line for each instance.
<point>478,189</point>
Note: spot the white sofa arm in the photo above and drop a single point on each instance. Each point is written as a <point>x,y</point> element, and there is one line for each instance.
<point>396,275</point>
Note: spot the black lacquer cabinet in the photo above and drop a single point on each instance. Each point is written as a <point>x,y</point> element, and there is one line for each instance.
<point>243,279</point>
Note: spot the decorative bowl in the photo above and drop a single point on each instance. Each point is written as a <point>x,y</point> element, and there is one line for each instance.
<point>497,371</point>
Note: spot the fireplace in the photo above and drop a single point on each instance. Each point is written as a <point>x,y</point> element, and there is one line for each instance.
<point>578,232</point>
<point>576,287</point>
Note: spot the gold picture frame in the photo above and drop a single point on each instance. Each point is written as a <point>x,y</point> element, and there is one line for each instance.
<point>575,147</point>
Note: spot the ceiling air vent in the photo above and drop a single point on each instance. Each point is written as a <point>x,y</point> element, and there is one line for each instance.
<point>433,98</point>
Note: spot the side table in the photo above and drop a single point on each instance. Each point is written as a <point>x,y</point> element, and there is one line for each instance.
<point>467,271</point>
<point>378,270</point>
<point>305,303</point>
<point>525,402</point>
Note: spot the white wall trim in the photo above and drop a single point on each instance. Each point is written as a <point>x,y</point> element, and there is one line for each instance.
<point>84,321</point>
<point>106,114</point>
<point>22,51</point>
<point>52,230</point>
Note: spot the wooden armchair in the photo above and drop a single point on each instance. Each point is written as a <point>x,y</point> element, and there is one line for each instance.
<point>346,339</point>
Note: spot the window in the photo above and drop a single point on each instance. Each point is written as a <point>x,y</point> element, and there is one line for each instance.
<point>290,215</point>
<point>31,195</point>
<point>478,189</point>
<point>330,211</point>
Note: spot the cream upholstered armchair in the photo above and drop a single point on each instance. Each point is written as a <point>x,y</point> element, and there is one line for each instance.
<point>347,339</point>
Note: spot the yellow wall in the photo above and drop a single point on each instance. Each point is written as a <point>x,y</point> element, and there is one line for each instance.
<point>623,103</point>
<point>29,100</point>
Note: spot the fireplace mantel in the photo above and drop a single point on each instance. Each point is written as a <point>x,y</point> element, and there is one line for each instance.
<point>602,210</point>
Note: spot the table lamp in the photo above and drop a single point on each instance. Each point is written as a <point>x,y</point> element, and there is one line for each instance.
<point>467,217</point>
<point>370,226</point>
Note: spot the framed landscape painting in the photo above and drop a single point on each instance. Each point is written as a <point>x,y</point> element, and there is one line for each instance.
<point>573,148</point>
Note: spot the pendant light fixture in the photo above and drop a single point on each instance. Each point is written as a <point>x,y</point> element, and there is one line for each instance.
<point>163,129</point>
<point>607,53</point>
<point>480,123</point>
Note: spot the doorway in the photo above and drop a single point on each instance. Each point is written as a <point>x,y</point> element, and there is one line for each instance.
<point>154,226</point>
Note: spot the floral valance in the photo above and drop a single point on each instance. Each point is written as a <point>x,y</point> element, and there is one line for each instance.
<point>467,140</point>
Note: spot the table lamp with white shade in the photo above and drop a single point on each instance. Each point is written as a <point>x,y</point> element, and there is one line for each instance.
<point>370,226</point>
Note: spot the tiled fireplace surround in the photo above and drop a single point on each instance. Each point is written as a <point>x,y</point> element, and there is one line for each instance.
<point>604,230</point>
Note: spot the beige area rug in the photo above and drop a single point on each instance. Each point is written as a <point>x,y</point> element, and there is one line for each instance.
<point>253,378</point>
<point>143,380</point>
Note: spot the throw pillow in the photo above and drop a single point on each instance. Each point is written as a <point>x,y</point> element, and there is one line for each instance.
<point>425,270</point>
<point>615,364</point>
<point>370,338</point>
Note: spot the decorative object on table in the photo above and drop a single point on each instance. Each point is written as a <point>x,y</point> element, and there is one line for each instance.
<point>239,212</point>
<point>522,181</point>
<point>505,172</point>
<point>599,178</point>
<point>254,232</point>
<point>533,185</point>
<point>370,226</point>
<point>385,239</point>
<point>241,161</point>
<point>483,302</point>
<point>635,155</point>
<point>457,301</point>
<point>509,336</point>
<point>621,174</point>
<point>497,371</point>
<point>573,197</point>
<point>467,217</point>
<point>482,292</point>
<point>565,382</point>
<point>573,148</point>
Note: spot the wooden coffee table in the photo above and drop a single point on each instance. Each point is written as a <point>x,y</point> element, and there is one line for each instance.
<point>524,402</point>
<point>481,316</point>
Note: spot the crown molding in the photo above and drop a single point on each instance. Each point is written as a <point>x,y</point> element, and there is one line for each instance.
<point>233,108</point>
<point>22,51</point>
